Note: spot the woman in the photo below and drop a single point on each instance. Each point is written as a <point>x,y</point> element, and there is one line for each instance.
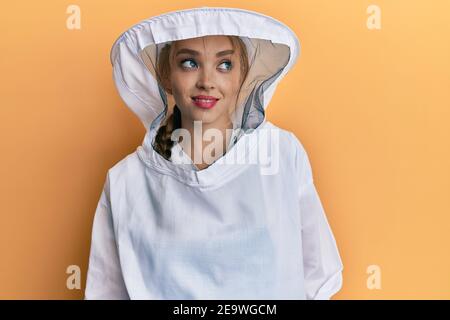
<point>176,221</point>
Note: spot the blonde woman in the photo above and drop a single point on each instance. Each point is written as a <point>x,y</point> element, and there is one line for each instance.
<point>217,202</point>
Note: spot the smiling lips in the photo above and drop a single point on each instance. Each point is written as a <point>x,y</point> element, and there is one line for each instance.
<point>206,102</point>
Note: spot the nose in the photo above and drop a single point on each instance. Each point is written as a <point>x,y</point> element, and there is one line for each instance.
<point>205,79</point>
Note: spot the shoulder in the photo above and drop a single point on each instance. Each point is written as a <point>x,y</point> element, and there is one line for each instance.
<point>288,141</point>
<point>125,169</point>
<point>293,152</point>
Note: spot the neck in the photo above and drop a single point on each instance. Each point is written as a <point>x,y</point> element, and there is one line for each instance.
<point>199,143</point>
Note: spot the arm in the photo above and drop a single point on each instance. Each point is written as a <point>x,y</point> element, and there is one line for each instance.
<point>104,277</point>
<point>321,260</point>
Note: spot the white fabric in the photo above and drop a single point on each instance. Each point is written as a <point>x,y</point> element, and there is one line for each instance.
<point>236,230</point>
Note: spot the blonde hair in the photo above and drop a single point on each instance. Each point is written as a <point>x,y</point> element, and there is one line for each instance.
<point>163,141</point>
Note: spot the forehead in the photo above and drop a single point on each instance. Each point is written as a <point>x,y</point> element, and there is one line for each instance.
<point>210,44</point>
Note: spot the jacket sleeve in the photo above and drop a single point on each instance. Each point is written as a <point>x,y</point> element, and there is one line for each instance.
<point>322,263</point>
<point>104,276</point>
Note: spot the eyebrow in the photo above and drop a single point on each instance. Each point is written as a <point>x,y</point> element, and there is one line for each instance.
<point>196,53</point>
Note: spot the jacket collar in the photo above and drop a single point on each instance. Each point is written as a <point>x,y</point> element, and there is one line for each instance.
<point>226,167</point>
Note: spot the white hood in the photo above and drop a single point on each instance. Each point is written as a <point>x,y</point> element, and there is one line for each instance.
<point>272,50</point>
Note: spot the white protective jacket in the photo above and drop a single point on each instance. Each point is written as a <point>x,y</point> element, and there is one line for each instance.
<point>239,229</point>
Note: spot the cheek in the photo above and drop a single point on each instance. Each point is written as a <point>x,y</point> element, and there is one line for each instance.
<point>182,83</point>
<point>230,85</point>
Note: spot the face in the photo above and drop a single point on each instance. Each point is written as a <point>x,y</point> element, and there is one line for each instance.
<point>205,66</point>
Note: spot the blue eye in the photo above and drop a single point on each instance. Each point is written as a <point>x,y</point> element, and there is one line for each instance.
<point>187,60</point>
<point>190,63</point>
<point>227,62</point>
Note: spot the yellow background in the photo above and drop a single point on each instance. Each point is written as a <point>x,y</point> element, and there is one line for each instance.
<point>372,108</point>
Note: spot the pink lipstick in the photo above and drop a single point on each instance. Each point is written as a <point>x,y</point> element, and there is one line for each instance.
<point>206,102</point>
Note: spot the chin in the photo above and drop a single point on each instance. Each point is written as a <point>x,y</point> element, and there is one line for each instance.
<point>205,115</point>
<point>205,120</point>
